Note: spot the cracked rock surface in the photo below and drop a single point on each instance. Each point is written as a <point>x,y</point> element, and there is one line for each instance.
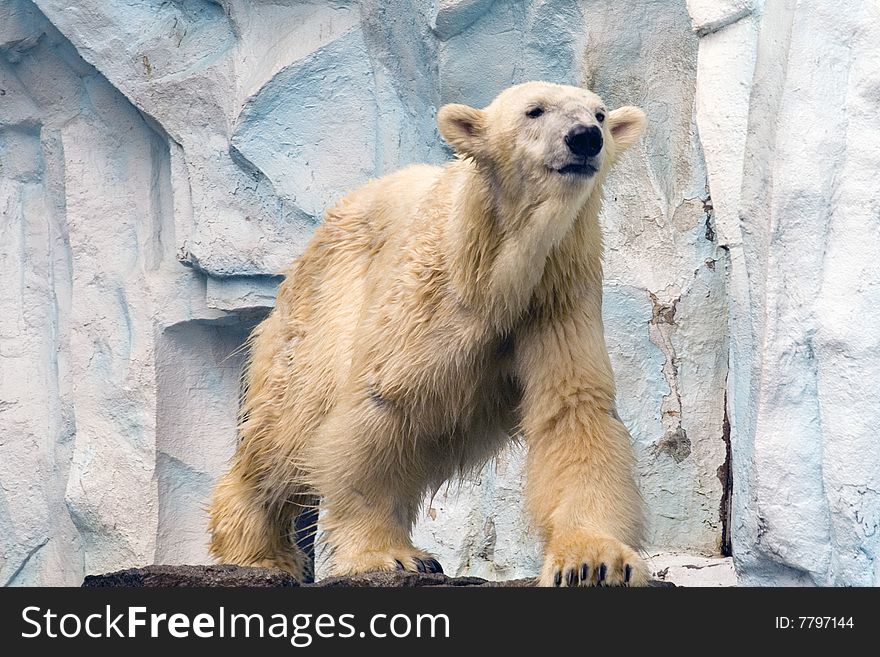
<point>164,161</point>
<point>161,162</point>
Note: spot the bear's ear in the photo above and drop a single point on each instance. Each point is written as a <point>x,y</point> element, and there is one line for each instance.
<point>626,125</point>
<point>462,127</point>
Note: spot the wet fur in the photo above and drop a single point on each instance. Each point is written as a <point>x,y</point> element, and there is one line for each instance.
<point>436,311</point>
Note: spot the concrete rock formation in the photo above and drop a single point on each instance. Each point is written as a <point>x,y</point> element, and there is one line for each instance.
<point>162,161</point>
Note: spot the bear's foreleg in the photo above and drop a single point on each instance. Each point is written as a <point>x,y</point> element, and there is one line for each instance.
<point>371,475</point>
<point>581,487</point>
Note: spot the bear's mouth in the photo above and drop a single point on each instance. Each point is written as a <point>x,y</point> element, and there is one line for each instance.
<point>577,169</point>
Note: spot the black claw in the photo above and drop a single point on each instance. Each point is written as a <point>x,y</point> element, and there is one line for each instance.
<point>557,580</point>
<point>603,570</point>
<point>399,565</point>
<point>570,577</point>
<point>627,573</point>
<point>585,570</point>
<point>420,565</point>
<point>433,566</point>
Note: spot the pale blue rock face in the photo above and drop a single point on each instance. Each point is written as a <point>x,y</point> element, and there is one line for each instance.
<point>164,162</point>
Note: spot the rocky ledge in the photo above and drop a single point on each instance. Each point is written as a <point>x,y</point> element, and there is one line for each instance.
<point>218,576</point>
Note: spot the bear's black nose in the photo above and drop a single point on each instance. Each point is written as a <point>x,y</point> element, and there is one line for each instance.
<point>584,141</point>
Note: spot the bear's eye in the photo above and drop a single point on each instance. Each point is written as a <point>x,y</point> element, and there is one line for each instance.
<point>535,112</point>
<point>600,116</point>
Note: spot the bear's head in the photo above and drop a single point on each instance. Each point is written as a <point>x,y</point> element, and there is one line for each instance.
<point>542,136</point>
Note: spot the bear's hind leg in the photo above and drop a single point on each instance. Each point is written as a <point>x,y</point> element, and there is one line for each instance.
<point>249,530</point>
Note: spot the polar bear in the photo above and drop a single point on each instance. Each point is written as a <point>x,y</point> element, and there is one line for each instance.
<point>437,312</point>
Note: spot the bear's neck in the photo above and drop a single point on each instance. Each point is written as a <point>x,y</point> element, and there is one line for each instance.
<point>510,256</point>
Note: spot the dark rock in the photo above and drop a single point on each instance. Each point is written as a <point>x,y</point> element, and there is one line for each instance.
<point>399,580</point>
<point>192,576</point>
<point>528,582</point>
<point>213,576</point>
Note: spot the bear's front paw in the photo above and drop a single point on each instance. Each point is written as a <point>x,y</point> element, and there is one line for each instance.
<point>366,562</point>
<point>582,559</point>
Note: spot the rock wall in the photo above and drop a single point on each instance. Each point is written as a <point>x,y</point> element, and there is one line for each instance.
<point>787,101</point>
<point>162,161</point>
